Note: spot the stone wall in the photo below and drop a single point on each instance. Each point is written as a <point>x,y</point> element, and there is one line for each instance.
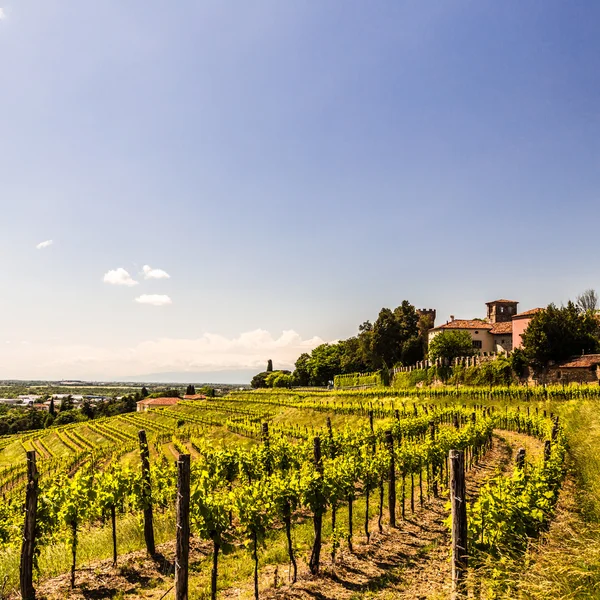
<point>572,375</point>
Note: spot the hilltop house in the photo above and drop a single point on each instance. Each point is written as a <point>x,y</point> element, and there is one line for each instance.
<point>490,335</point>
<point>585,368</point>
<point>147,403</point>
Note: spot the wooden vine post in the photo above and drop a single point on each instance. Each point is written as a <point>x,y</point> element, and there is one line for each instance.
<point>113,520</point>
<point>434,473</point>
<point>520,458</point>
<point>183,527</point>
<point>391,479</point>
<point>547,450</point>
<point>147,494</point>
<point>315,557</point>
<point>267,445</point>
<point>28,548</point>
<point>458,502</point>
<point>368,486</point>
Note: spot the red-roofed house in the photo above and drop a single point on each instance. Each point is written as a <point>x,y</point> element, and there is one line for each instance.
<point>146,403</point>
<point>583,369</point>
<point>490,335</point>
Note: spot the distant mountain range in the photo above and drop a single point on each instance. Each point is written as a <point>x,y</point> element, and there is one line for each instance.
<point>230,377</point>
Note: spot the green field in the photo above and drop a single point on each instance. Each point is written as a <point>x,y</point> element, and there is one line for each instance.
<point>531,523</point>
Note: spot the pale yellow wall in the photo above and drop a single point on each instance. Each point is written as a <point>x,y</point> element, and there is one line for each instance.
<point>488,343</point>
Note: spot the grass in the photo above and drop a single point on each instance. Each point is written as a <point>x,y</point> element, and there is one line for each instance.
<point>566,564</point>
<point>237,566</point>
<point>94,543</point>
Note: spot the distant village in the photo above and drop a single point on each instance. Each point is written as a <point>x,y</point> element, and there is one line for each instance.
<point>34,399</point>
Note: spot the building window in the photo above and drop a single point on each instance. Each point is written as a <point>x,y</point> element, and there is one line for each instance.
<point>558,374</point>
<point>477,333</point>
<point>477,344</point>
<point>501,309</point>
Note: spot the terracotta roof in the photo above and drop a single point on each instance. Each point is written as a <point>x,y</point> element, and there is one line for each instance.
<point>585,361</point>
<point>465,324</point>
<point>501,328</point>
<point>527,313</point>
<point>194,397</point>
<point>502,301</point>
<point>159,401</point>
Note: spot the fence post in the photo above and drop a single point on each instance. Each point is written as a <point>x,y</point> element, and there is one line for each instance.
<point>434,469</point>
<point>267,445</point>
<point>459,523</point>
<point>183,527</point>
<point>392,479</point>
<point>547,450</point>
<point>147,494</point>
<point>315,557</point>
<point>28,547</point>
<point>520,458</point>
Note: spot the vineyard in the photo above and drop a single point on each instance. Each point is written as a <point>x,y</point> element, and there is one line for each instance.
<point>281,491</point>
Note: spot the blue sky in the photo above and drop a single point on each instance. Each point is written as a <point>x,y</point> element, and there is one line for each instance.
<point>292,166</point>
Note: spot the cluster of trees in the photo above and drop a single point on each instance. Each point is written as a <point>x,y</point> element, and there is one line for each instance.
<point>15,419</point>
<point>397,337</point>
<point>67,413</point>
<point>556,334</point>
<point>272,379</point>
<point>449,345</point>
<point>207,391</point>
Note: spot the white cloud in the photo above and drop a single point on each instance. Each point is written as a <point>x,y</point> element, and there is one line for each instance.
<point>2,14</point>
<point>209,352</point>
<point>150,273</point>
<point>47,243</point>
<point>154,299</point>
<point>119,277</point>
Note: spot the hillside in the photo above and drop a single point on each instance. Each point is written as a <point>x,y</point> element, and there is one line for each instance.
<point>229,451</point>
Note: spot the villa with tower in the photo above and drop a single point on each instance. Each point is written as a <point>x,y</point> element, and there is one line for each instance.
<point>494,333</point>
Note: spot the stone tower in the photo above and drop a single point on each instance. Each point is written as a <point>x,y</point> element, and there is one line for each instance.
<point>427,312</point>
<point>501,311</point>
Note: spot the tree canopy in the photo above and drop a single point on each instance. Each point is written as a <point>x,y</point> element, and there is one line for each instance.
<point>588,300</point>
<point>269,379</point>
<point>449,345</point>
<point>398,336</point>
<point>556,334</point>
